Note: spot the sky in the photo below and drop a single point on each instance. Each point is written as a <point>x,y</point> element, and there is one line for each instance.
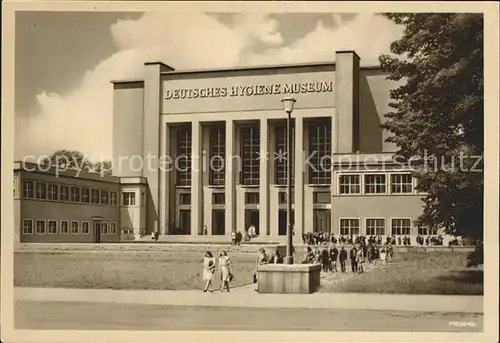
<point>66,60</point>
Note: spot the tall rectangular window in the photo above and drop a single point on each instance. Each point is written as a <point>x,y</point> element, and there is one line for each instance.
<point>281,154</point>
<point>40,226</point>
<point>349,227</point>
<point>52,192</point>
<point>75,194</point>
<point>85,195</point>
<point>250,151</point>
<point>320,152</point>
<point>52,229</point>
<point>375,184</point>
<point>401,184</point>
<point>349,184</point>
<point>28,191</point>
<point>64,193</point>
<point>217,155</point>
<point>375,227</point>
<point>184,156</point>
<point>64,226</point>
<point>113,198</point>
<point>104,197</point>
<point>95,196</point>
<point>85,227</point>
<point>27,226</point>
<point>401,227</point>
<point>75,227</point>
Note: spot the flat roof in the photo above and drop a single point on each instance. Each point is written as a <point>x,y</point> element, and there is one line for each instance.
<point>247,68</point>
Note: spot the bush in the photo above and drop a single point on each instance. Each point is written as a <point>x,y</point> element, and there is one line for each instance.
<point>476,257</point>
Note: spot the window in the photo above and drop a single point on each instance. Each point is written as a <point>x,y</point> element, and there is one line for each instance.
<point>64,193</point>
<point>52,192</point>
<point>112,227</point>
<point>218,222</point>
<point>52,229</point>
<point>281,154</point>
<point>401,227</point>
<point>74,227</point>
<point>127,231</point>
<point>251,198</point>
<point>95,196</point>
<point>321,220</point>
<point>27,226</point>
<point>349,184</point>
<point>375,227</point>
<point>104,228</point>
<point>184,222</point>
<point>75,194</point>
<point>104,197</point>
<point>28,190</point>
<point>322,198</point>
<point>218,199</point>
<point>143,199</point>
<point>349,227</point>
<point>64,227</point>
<point>425,231</point>
<point>217,153</point>
<point>85,195</point>
<point>250,152</point>
<point>375,183</point>
<point>15,187</point>
<point>85,228</point>
<point>185,199</point>
<point>282,198</point>
<point>113,198</point>
<point>184,156</point>
<point>320,152</point>
<point>128,198</point>
<point>40,226</point>
<point>41,190</point>
<point>401,183</point>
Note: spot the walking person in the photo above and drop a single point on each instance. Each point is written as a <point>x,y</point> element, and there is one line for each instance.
<point>225,271</point>
<point>383,254</point>
<point>208,271</point>
<point>352,256</point>
<point>343,259</point>
<point>262,259</point>
<point>325,259</point>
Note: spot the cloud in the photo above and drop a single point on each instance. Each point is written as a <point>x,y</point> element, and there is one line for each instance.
<point>82,118</point>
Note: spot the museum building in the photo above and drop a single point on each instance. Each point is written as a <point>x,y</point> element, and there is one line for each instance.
<point>204,152</point>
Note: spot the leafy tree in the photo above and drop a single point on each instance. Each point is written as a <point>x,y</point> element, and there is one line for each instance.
<point>75,160</point>
<point>437,114</point>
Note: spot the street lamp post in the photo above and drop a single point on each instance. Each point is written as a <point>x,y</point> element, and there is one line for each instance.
<point>288,104</point>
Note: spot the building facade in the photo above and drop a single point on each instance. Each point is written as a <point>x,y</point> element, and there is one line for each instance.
<point>213,146</point>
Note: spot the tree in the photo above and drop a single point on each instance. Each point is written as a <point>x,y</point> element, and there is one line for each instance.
<point>437,114</point>
<point>75,160</point>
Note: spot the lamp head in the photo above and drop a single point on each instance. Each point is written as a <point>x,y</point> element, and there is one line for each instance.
<point>288,104</point>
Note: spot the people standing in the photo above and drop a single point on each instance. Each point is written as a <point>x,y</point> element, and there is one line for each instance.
<point>383,254</point>
<point>276,258</point>
<point>334,253</point>
<point>352,256</point>
<point>343,259</point>
<point>325,259</point>
<point>233,237</point>
<point>225,271</point>
<point>360,258</point>
<point>309,257</point>
<point>208,271</point>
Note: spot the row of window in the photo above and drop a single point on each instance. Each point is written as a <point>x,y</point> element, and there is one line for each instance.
<point>49,191</point>
<point>377,227</point>
<point>320,144</point>
<point>399,183</point>
<point>42,226</point>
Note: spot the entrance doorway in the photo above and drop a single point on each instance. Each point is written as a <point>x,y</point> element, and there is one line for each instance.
<point>218,222</point>
<point>97,232</point>
<point>252,218</point>
<point>282,221</point>
<point>184,222</point>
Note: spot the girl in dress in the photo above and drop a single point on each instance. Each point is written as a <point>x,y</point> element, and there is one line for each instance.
<point>225,272</point>
<point>383,254</point>
<point>208,271</point>
<point>360,259</point>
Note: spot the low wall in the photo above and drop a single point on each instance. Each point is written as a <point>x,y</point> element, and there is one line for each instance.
<point>289,279</point>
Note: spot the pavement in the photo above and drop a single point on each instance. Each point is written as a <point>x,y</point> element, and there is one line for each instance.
<point>248,297</point>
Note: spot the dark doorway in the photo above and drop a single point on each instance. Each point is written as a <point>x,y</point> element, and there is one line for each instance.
<point>184,222</point>
<point>97,232</point>
<point>282,221</point>
<point>252,218</point>
<point>218,222</point>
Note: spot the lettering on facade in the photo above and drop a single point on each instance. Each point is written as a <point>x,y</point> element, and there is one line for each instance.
<point>249,90</point>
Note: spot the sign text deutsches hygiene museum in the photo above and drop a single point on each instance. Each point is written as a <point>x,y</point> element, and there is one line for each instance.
<point>249,90</point>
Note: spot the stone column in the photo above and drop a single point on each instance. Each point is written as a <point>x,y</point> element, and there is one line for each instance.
<point>299,177</point>
<point>230,181</point>
<point>264,228</point>
<point>164,167</point>
<point>196,179</point>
